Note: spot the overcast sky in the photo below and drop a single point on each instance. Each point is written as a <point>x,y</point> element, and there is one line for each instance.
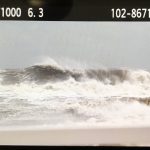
<point>109,44</point>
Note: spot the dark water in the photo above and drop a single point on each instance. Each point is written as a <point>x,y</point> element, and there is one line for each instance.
<point>50,95</point>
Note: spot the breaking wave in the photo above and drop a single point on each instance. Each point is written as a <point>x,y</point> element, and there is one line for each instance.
<point>51,94</point>
<point>41,74</point>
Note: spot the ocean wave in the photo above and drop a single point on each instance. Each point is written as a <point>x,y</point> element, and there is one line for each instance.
<point>58,94</point>
<point>48,73</point>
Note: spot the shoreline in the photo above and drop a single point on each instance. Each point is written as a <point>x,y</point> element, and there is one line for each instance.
<point>81,136</point>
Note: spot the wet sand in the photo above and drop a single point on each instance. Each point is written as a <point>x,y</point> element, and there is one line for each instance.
<point>93,136</point>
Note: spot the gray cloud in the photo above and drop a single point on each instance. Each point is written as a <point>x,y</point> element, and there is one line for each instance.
<point>109,44</point>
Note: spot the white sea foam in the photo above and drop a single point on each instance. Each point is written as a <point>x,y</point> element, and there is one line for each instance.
<point>69,101</point>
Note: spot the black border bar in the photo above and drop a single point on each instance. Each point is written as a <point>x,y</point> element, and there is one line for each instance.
<point>75,10</point>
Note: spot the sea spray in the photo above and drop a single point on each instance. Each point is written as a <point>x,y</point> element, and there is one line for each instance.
<point>48,94</point>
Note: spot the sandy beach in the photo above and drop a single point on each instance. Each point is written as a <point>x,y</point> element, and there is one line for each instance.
<point>122,136</point>
<point>74,83</point>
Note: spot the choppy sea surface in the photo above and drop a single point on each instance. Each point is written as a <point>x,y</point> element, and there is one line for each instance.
<point>52,95</point>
